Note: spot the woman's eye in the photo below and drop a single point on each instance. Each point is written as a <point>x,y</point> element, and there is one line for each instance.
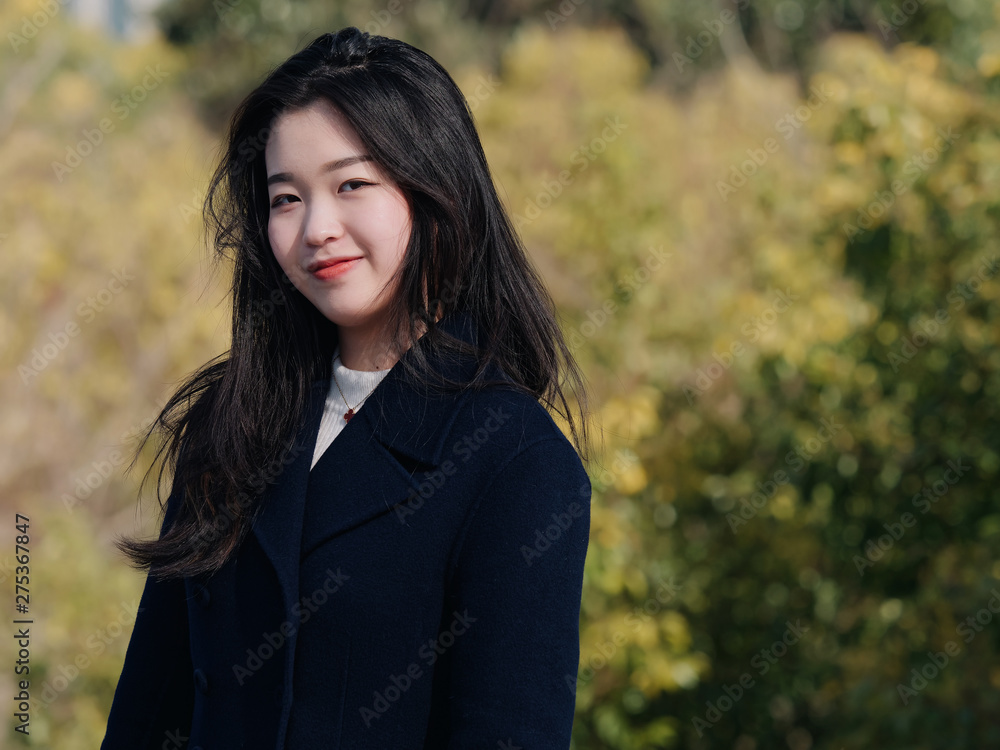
<point>277,201</point>
<point>353,185</point>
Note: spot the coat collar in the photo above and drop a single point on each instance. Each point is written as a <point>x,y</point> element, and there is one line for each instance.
<point>403,415</point>
<point>403,418</point>
<point>400,412</point>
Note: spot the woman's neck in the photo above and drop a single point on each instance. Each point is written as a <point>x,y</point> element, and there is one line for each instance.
<point>359,352</point>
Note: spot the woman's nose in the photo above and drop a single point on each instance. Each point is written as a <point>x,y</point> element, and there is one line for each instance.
<point>322,224</point>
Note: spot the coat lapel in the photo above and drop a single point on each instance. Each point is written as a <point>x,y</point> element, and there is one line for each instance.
<point>397,435</point>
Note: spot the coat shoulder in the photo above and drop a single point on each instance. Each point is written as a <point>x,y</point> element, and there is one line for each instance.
<point>499,422</point>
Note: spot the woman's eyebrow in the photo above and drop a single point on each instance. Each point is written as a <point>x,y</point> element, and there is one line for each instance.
<point>330,166</point>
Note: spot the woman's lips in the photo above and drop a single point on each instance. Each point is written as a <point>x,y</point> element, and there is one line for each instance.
<point>337,269</point>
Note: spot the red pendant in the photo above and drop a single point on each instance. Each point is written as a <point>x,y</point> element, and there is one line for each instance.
<point>350,413</point>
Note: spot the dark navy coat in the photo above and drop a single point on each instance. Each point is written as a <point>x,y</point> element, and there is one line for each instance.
<point>426,596</point>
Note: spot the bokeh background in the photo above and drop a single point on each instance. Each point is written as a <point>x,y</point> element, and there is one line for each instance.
<point>771,230</point>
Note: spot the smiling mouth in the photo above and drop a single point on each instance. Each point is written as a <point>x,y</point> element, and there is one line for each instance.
<point>329,270</point>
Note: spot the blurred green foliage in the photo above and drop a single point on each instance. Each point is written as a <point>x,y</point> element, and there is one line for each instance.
<point>231,44</point>
<point>778,268</point>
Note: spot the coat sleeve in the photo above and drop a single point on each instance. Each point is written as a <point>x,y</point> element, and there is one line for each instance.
<point>154,700</point>
<point>514,609</point>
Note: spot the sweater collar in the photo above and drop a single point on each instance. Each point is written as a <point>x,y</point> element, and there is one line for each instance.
<point>404,414</point>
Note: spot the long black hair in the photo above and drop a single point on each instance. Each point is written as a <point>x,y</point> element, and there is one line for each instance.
<point>241,410</point>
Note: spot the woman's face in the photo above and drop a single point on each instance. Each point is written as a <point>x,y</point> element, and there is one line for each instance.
<point>337,227</point>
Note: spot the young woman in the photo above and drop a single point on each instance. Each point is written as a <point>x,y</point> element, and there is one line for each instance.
<point>376,532</point>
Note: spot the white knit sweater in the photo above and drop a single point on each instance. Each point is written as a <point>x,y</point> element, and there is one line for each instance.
<point>356,385</point>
